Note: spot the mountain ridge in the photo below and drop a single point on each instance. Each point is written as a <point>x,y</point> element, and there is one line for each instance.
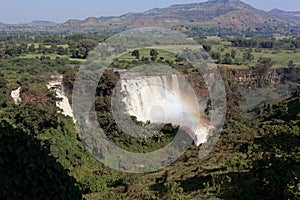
<point>293,16</point>
<point>213,16</point>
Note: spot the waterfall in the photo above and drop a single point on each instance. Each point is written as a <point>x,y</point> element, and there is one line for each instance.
<point>15,94</point>
<point>147,99</point>
<point>164,99</point>
<point>64,105</point>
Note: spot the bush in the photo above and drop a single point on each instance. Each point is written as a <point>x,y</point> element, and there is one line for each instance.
<point>28,172</point>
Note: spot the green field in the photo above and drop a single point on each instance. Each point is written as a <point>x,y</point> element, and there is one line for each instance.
<point>280,58</point>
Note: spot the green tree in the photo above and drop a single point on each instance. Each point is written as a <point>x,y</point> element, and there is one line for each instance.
<point>296,92</point>
<point>61,50</point>
<point>291,63</point>
<point>28,117</point>
<point>28,171</point>
<point>153,54</point>
<point>41,48</point>
<point>263,66</point>
<point>179,58</point>
<point>23,48</point>
<point>227,60</point>
<point>31,48</point>
<point>136,54</point>
<point>248,56</point>
<point>2,53</point>
<point>215,55</point>
<point>84,47</point>
<point>234,100</point>
<point>207,47</point>
<point>233,53</point>
<point>3,92</point>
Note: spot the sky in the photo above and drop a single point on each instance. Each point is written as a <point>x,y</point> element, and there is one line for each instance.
<point>23,11</point>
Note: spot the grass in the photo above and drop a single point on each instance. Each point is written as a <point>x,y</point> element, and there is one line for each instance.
<point>127,61</point>
<point>36,45</point>
<point>279,57</point>
<point>146,53</point>
<point>233,66</point>
<point>65,46</point>
<point>52,56</point>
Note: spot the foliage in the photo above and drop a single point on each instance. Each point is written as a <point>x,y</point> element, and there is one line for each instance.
<point>3,92</point>
<point>227,59</point>
<point>28,172</point>
<point>278,176</point>
<point>286,43</point>
<point>171,191</point>
<point>136,54</point>
<point>153,54</point>
<point>27,117</point>
<point>264,65</point>
<point>83,48</point>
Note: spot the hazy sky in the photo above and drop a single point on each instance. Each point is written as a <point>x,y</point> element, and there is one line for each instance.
<point>20,11</point>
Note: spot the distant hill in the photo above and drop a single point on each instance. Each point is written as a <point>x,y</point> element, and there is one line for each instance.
<point>43,23</point>
<point>224,17</point>
<point>292,16</point>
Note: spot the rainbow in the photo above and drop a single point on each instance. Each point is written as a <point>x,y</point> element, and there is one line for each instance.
<point>166,99</point>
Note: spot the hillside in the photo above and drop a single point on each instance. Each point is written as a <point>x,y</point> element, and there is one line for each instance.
<point>293,16</point>
<point>227,17</point>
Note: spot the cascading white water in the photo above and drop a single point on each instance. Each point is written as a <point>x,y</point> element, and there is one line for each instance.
<point>15,94</point>
<point>164,99</point>
<point>151,98</point>
<point>64,105</point>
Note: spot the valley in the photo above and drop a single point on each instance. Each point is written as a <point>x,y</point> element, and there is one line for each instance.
<point>159,98</point>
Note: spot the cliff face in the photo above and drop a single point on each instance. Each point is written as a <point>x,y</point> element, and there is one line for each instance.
<point>57,86</point>
<point>250,78</point>
<point>198,84</point>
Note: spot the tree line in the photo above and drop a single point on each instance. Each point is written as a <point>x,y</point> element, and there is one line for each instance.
<point>268,43</point>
